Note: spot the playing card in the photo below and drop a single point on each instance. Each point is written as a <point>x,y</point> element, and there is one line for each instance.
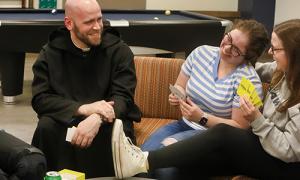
<point>241,91</point>
<point>177,92</point>
<point>246,88</point>
<point>257,101</point>
<point>70,133</point>
<point>251,90</point>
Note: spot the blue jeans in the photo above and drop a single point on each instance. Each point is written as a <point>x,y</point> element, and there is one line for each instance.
<point>178,130</point>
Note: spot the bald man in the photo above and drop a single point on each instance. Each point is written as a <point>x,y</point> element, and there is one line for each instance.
<point>83,77</point>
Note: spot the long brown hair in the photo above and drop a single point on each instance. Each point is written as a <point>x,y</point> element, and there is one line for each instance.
<point>289,34</point>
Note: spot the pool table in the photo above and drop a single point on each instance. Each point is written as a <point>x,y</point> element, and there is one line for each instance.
<point>26,30</point>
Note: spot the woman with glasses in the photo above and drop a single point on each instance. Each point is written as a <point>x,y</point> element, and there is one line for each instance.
<point>209,78</point>
<point>270,150</point>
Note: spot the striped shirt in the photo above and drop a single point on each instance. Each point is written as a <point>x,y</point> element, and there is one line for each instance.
<point>213,95</point>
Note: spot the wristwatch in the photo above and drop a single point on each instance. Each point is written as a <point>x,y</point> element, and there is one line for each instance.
<point>203,119</point>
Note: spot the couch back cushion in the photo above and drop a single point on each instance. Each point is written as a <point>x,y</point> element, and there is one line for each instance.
<point>152,92</point>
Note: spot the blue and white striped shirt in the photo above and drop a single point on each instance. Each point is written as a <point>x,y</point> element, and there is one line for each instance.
<point>214,96</point>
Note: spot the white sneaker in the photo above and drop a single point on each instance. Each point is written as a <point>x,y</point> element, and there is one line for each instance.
<point>129,160</point>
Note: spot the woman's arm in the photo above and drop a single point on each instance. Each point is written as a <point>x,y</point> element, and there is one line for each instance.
<point>237,120</point>
<point>283,143</point>
<point>193,113</point>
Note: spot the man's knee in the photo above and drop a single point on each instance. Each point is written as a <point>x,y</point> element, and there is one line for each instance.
<point>48,124</point>
<point>48,132</point>
<point>47,127</point>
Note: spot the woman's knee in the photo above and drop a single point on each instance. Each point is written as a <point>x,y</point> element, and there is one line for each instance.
<point>222,129</point>
<point>224,133</point>
<point>168,141</point>
<point>230,136</point>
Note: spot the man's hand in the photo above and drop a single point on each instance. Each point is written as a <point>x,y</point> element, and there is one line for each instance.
<point>86,131</point>
<point>103,108</point>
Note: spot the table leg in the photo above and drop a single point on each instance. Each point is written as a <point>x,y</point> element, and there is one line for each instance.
<point>12,75</point>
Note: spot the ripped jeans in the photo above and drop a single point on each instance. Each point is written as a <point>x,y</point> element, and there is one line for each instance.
<point>178,130</point>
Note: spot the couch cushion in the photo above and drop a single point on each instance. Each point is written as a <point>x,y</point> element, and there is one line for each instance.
<point>152,92</point>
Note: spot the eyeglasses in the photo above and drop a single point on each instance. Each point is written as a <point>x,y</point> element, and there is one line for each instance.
<point>234,51</point>
<point>273,50</point>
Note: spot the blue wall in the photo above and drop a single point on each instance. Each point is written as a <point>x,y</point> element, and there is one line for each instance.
<point>260,10</point>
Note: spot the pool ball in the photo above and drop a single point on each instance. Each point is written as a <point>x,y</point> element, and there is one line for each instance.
<point>167,12</point>
<point>53,11</point>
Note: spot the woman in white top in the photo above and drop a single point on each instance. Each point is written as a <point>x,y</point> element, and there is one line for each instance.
<point>209,78</point>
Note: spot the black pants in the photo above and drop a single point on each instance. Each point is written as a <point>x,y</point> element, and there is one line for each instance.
<point>94,161</point>
<point>19,160</point>
<point>223,150</point>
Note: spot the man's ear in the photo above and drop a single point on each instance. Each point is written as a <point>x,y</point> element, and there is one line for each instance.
<point>68,23</point>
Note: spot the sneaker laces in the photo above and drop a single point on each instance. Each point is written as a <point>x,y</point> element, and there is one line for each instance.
<point>135,151</point>
<point>129,159</point>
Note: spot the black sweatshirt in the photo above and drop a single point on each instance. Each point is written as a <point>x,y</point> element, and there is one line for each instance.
<point>65,77</point>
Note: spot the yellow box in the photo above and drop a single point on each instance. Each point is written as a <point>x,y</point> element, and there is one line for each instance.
<point>67,174</point>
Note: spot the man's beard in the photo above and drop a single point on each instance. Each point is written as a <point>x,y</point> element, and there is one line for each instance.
<point>85,37</point>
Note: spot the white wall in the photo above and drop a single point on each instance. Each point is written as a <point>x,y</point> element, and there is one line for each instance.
<point>286,9</point>
<point>10,3</point>
<point>196,5</point>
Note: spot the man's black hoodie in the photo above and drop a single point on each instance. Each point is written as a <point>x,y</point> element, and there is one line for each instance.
<point>65,77</point>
